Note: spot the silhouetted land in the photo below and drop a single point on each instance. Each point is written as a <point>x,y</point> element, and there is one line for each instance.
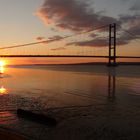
<point>88,63</point>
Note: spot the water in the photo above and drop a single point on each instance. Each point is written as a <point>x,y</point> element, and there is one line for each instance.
<point>40,88</point>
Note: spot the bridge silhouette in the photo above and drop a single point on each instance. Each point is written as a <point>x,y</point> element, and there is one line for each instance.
<point>109,50</point>
<point>88,56</point>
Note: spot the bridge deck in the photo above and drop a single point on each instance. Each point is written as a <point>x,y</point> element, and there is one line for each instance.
<point>88,56</point>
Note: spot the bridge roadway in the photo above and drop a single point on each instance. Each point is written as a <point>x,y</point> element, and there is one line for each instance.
<point>88,56</point>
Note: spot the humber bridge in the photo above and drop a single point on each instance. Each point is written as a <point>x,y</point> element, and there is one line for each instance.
<point>107,44</point>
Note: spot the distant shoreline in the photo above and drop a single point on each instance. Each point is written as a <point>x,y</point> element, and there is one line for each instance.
<point>73,64</point>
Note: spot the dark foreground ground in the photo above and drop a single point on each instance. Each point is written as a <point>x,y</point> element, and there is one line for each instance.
<point>82,123</point>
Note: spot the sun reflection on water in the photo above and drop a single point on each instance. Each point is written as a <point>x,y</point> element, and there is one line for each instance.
<point>2,68</point>
<point>3,91</point>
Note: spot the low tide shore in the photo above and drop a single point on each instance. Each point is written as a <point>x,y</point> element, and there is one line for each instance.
<point>82,123</point>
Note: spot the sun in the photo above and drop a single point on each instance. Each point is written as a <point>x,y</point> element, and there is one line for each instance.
<point>2,63</point>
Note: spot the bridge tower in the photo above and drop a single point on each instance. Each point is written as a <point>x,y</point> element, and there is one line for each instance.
<point>112,45</point>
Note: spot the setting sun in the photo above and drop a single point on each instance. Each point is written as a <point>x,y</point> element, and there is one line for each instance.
<point>2,63</point>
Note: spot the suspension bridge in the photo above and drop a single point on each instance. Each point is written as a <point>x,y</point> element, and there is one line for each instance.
<point>91,44</point>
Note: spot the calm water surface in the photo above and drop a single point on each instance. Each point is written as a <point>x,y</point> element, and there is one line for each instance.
<point>43,87</point>
<point>54,86</point>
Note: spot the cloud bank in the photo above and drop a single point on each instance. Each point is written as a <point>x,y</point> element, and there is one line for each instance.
<point>78,16</point>
<point>74,15</point>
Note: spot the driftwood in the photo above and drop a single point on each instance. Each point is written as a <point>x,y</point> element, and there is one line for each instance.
<point>40,118</point>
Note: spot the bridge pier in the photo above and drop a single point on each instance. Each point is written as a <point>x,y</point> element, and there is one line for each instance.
<point>112,45</point>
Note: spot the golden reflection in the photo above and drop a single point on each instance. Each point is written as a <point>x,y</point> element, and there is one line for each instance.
<point>2,64</point>
<point>7,117</point>
<point>2,69</point>
<point>3,90</point>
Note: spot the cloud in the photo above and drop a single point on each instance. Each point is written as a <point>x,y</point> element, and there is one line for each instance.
<point>132,25</point>
<point>93,35</point>
<point>130,32</point>
<point>99,42</point>
<point>75,15</point>
<point>40,38</point>
<point>79,16</point>
<point>136,6</point>
<point>59,48</point>
<point>51,39</point>
<point>56,38</point>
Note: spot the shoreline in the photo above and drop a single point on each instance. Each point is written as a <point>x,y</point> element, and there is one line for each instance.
<point>74,64</point>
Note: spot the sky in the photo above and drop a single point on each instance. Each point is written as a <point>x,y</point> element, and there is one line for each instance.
<point>37,20</point>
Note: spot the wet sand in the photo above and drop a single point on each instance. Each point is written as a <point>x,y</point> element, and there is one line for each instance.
<point>102,122</point>
<point>10,135</point>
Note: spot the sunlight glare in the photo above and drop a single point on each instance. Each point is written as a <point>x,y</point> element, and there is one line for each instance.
<point>2,63</point>
<point>2,90</point>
